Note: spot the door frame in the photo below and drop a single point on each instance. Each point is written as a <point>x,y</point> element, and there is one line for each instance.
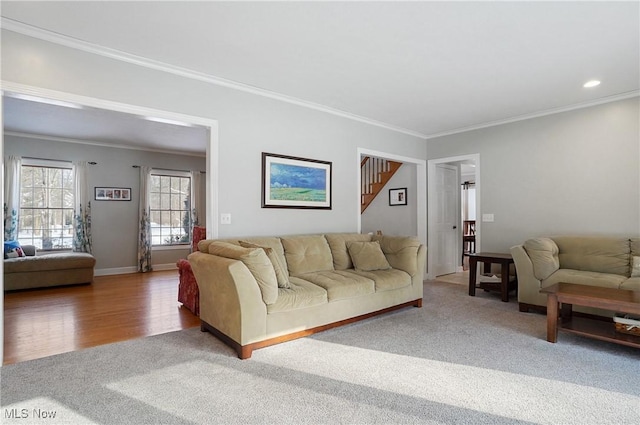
<point>421,187</point>
<point>212,156</point>
<point>432,202</point>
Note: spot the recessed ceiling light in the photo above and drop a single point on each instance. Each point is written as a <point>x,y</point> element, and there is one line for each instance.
<point>591,83</point>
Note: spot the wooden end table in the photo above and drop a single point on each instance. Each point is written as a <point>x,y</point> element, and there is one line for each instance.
<point>568,294</point>
<point>488,258</point>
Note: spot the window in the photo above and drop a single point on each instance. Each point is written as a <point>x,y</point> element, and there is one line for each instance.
<point>170,208</point>
<point>46,207</point>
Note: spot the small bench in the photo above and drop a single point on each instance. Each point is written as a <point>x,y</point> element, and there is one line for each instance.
<point>42,271</point>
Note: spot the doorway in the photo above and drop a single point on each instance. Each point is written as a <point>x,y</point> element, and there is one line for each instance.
<point>445,245</point>
<point>211,151</point>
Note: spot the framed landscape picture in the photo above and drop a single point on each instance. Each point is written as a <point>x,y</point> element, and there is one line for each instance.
<point>291,182</point>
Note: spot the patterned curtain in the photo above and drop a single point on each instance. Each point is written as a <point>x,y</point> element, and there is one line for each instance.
<point>144,238</point>
<point>12,168</point>
<point>82,208</point>
<point>197,204</point>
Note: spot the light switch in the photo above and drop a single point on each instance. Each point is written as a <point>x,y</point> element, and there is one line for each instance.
<point>487,218</point>
<point>225,218</point>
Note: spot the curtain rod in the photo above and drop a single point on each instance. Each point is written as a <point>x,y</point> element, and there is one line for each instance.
<point>58,160</point>
<point>169,169</point>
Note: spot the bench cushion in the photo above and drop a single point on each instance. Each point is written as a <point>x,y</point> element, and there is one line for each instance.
<point>55,261</point>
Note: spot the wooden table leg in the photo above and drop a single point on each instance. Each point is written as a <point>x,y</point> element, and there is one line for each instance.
<point>504,286</point>
<point>473,269</point>
<point>552,318</point>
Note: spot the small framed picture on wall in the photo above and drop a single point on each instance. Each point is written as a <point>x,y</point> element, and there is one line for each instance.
<point>398,196</point>
<point>113,193</point>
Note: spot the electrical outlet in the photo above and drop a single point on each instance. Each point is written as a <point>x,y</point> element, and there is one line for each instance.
<point>225,218</point>
<point>487,218</point>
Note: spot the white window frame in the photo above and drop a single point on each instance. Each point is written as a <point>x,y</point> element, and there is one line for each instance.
<point>174,173</point>
<point>47,163</point>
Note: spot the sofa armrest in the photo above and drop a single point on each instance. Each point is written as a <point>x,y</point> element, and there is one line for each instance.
<point>230,299</point>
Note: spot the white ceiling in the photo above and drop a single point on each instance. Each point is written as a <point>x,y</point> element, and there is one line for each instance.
<point>427,67</point>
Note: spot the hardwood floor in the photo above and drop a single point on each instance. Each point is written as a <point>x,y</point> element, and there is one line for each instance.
<point>43,322</point>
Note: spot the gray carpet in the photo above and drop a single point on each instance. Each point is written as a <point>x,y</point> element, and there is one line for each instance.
<point>459,359</point>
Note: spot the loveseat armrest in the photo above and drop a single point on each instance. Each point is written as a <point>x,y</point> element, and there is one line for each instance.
<point>230,299</point>
<point>528,285</point>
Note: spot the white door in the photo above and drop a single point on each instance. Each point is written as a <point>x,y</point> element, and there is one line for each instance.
<point>446,219</point>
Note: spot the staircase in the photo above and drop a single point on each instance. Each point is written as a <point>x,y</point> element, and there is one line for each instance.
<point>375,174</point>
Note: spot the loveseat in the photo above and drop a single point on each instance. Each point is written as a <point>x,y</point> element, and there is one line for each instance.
<point>41,271</point>
<point>612,262</point>
<point>256,292</point>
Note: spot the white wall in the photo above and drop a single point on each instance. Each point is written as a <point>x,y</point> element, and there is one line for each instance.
<point>399,219</point>
<point>114,225</point>
<point>248,125</point>
<point>576,172</point>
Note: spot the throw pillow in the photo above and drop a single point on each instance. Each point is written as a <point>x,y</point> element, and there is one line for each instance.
<point>635,267</point>
<point>258,264</point>
<point>367,256</point>
<point>15,253</point>
<point>281,270</point>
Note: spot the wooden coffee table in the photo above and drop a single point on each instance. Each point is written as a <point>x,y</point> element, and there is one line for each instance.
<point>569,294</point>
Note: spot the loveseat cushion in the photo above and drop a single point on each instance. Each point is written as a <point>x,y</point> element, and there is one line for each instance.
<point>341,284</point>
<point>543,253</point>
<point>367,256</point>
<point>635,246</point>
<point>386,280</point>
<point>302,294</point>
<point>581,277</point>
<point>400,251</point>
<point>307,254</point>
<point>338,244</point>
<point>256,261</point>
<point>595,254</point>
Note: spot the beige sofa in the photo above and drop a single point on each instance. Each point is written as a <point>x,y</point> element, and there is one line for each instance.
<point>47,270</point>
<point>612,262</point>
<point>257,292</point>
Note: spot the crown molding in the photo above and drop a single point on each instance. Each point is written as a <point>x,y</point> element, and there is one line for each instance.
<point>95,143</point>
<point>63,40</point>
<point>538,114</point>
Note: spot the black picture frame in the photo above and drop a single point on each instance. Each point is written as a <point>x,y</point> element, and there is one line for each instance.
<point>294,182</point>
<point>398,196</point>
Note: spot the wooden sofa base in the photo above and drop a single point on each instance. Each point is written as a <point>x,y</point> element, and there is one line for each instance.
<point>245,351</point>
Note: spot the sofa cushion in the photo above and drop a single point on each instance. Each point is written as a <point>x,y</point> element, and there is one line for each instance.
<point>367,256</point>
<point>386,280</point>
<point>632,284</point>
<point>581,277</point>
<point>635,266</point>
<point>401,252</point>
<point>341,284</point>
<point>256,261</point>
<point>635,246</point>
<point>302,294</point>
<point>338,244</point>
<point>282,275</point>
<point>543,253</point>
<point>307,254</point>
<point>594,253</point>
